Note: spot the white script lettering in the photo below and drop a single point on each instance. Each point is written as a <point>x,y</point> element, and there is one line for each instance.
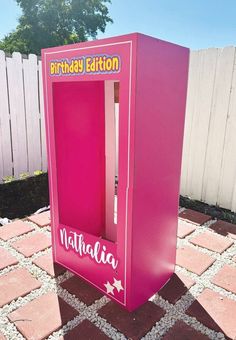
<point>97,252</point>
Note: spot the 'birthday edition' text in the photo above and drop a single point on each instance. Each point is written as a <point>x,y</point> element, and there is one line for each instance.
<point>95,64</point>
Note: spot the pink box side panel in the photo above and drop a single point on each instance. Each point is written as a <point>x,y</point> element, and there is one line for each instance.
<point>162,71</point>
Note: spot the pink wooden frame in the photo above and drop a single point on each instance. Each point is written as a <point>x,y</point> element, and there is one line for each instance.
<point>153,84</point>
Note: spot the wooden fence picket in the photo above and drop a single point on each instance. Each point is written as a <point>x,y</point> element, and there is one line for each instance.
<point>32,112</point>
<point>5,132</point>
<point>17,114</point>
<point>226,190</point>
<point>192,83</point>
<point>201,120</point>
<point>217,127</point>
<point>42,120</point>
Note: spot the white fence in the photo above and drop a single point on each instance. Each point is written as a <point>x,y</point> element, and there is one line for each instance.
<point>22,132</point>
<point>209,154</point>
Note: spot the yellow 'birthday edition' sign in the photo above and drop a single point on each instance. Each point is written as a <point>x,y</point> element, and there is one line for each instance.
<point>86,65</point>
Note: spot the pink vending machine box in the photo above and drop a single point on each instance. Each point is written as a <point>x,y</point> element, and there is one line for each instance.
<point>115,120</point>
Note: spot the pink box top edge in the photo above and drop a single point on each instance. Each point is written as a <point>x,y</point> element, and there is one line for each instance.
<point>118,38</point>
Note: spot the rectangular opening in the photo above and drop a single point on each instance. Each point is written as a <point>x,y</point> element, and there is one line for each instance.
<point>116,100</point>
<point>111,145</point>
<point>86,141</point>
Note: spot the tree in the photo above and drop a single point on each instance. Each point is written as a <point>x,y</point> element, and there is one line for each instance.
<point>47,23</point>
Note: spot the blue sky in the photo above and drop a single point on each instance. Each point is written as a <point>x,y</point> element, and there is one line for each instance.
<point>192,23</point>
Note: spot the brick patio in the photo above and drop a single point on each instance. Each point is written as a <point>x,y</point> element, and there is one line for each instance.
<point>39,300</point>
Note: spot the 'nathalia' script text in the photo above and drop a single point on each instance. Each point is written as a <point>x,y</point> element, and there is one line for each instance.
<point>97,252</point>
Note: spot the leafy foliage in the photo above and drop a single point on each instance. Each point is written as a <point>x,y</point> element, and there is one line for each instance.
<point>47,23</point>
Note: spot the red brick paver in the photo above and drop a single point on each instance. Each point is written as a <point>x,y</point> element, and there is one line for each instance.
<point>16,283</point>
<point>82,290</point>
<point>42,316</point>
<point>14,229</point>
<point>226,278</point>
<point>224,228</point>
<point>212,242</point>
<point>6,259</point>
<point>2,337</point>
<point>173,289</point>
<point>193,260</point>
<point>197,311</point>
<point>194,216</point>
<point>181,331</point>
<point>221,311</point>
<point>32,244</point>
<point>86,330</point>
<point>45,262</point>
<point>133,325</point>
<point>184,229</point>
<point>188,282</point>
<point>42,219</point>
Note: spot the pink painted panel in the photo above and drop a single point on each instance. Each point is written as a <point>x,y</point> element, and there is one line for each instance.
<point>93,258</point>
<point>80,154</point>
<point>161,87</point>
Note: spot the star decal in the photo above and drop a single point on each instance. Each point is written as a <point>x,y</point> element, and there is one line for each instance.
<point>109,288</point>
<point>117,284</point>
